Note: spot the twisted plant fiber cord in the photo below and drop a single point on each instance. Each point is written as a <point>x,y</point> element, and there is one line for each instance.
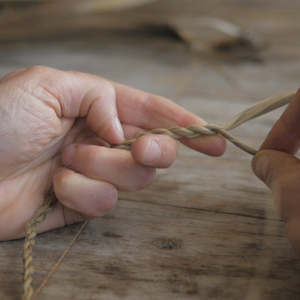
<point>194,131</point>
<point>30,234</point>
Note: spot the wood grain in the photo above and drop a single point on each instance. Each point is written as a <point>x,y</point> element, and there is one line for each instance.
<point>207,228</point>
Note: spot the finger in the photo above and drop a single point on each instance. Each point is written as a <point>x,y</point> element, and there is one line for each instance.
<point>149,111</point>
<point>84,195</point>
<point>74,95</point>
<point>285,135</point>
<point>13,221</point>
<point>131,131</point>
<point>84,95</point>
<point>203,143</point>
<point>158,151</point>
<point>293,233</point>
<point>281,172</point>
<point>114,166</point>
<point>211,145</point>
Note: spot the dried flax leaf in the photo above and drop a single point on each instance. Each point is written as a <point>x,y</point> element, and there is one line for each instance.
<point>60,18</point>
<point>81,6</point>
<point>111,5</point>
<point>208,35</point>
<point>203,35</point>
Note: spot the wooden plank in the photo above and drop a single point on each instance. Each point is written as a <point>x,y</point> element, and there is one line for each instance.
<point>206,229</point>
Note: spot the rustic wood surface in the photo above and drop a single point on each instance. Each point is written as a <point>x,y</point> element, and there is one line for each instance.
<point>207,228</point>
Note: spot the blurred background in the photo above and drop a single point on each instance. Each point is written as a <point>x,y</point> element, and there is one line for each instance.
<point>180,46</point>
<point>214,57</point>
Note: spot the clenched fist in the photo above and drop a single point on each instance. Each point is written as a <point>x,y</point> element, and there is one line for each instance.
<point>55,127</point>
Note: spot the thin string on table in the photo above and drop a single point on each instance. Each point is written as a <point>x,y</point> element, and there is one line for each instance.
<point>59,261</point>
<point>194,131</point>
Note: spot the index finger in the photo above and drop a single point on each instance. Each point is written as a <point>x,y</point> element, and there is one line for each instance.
<point>285,134</point>
<point>150,111</point>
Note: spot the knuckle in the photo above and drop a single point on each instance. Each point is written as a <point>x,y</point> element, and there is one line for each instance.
<point>39,69</point>
<point>261,167</point>
<point>61,178</point>
<point>42,80</point>
<point>108,90</point>
<point>46,77</point>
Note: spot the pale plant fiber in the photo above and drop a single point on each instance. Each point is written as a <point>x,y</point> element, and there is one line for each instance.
<point>258,109</point>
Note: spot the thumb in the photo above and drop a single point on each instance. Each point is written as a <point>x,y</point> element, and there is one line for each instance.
<point>78,95</point>
<point>280,171</point>
<point>273,166</point>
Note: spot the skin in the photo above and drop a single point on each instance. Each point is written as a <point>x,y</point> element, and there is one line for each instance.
<point>278,167</point>
<point>55,127</point>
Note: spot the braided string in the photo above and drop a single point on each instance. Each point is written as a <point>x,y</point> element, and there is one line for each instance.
<point>191,132</point>
<point>30,234</point>
<point>177,133</point>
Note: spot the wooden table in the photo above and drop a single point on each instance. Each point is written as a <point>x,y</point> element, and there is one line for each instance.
<point>206,229</point>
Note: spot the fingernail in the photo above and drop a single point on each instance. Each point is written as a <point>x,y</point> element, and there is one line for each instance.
<point>219,145</point>
<point>260,166</point>
<point>152,152</point>
<point>118,128</point>
<point>67,155</point>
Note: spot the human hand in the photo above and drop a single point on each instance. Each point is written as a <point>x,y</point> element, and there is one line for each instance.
<point>54,127</point>
<point>277,165</point>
